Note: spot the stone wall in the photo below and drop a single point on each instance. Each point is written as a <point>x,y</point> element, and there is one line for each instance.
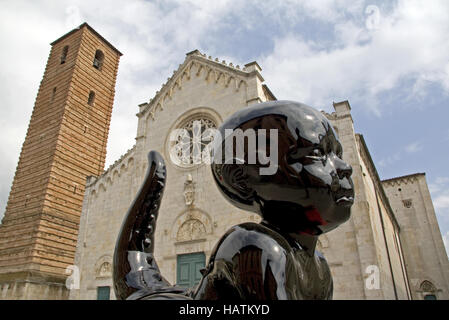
<point>425,258</point>
<point>365,243</point>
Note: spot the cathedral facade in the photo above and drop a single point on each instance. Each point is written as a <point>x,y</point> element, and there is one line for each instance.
<point>59,232</point>
<point>368,255</point>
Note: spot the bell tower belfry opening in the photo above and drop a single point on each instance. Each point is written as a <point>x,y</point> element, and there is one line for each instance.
<point>65,143</point>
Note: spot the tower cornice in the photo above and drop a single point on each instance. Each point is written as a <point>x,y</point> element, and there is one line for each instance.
<point>85,25</point>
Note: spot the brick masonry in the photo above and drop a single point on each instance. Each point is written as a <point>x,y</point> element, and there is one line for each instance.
<point>65,143</point>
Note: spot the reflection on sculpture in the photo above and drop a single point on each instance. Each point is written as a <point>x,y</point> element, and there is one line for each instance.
<point>309,194</point>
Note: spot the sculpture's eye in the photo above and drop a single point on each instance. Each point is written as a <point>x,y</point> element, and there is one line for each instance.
<point>317,154</point>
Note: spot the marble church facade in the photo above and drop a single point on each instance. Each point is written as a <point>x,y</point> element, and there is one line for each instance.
<point>385,251</point>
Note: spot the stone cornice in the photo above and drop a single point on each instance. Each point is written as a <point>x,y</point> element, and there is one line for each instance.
<point>335,115</point>
<point>410,178</point>
<point>330,116</point>
<point>231,74</point>
<point>92,180</point>
<point>268,94</point>
<point>366,157</point>
<point>93,31</point>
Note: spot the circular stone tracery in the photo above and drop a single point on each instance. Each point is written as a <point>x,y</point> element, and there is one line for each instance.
<point>192,139</point>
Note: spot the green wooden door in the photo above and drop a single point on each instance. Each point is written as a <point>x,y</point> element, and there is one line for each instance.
<point>188,269</point>
<point>103,293</point>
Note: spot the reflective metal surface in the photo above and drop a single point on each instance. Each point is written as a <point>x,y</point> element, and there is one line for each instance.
<point>310,193</point>
<point>135,272</point>
<point>254,262</point>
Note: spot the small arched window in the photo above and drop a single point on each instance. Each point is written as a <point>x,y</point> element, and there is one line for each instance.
<point>91,99</point>
<point>65,50</point>
<point>98,59</point>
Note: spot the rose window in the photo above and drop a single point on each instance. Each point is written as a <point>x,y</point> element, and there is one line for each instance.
<point>190,142</point>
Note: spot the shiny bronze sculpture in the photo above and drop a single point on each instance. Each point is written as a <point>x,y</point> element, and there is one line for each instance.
<point>310,192</point>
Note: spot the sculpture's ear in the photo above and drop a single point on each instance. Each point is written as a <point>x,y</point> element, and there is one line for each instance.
<point>236,177</point>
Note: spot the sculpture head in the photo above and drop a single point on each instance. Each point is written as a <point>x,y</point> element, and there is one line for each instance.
<point>310,189</point>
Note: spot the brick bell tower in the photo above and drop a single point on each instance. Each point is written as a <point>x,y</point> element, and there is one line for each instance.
<point>65,143</point>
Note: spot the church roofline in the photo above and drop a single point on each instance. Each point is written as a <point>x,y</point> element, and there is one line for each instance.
<point>92,180</point>
<point>379,184</point>
<point>202,58</point>
<point>268,91</point>
<point>93,31</point>
<point>330,116</point>
<point>209,59</point>
<point>196,51</point>
<point>405,177</point>
<point>344,102</point>
<point>255,64</point>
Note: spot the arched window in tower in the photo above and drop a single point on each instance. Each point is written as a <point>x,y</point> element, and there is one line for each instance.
<point>98,60</point>
<point>65,50</point>
<point>91,99</point>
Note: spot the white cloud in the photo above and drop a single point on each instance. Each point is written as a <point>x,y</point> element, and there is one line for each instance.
<point>442,200</point>
<point>442,180</point>
<point>439,190</point>
<point>73,17</point>
<point>410,148</point>
<point>439,185</point>
<point>413,147</point>
<point>411,41</point>
<point>385,162</point>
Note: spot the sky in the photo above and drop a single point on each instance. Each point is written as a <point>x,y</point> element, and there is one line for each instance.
<point>389,59</point>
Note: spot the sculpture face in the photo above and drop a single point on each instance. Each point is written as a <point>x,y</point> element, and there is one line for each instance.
<point>311,191</point>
